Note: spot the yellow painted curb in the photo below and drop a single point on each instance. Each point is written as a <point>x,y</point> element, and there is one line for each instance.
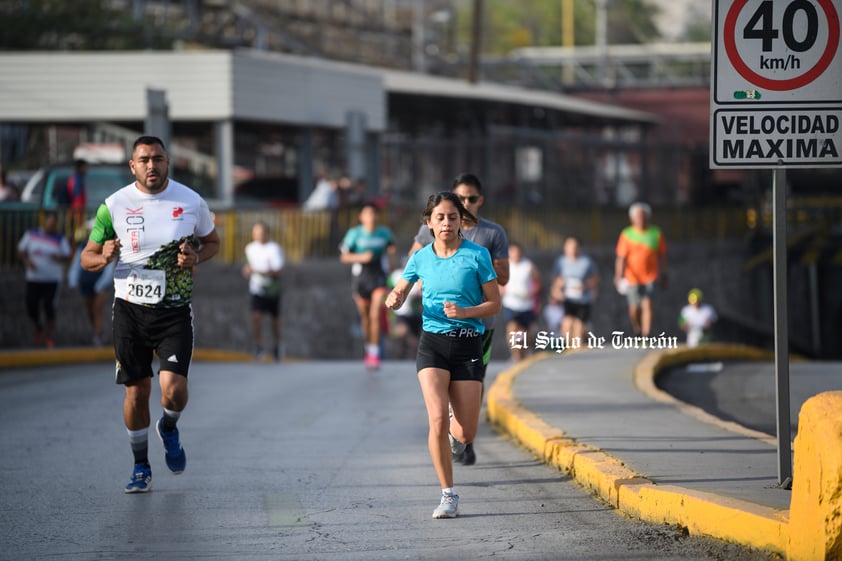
<point>47,357</point>
<point>220,355</point>
<point>632,493</point>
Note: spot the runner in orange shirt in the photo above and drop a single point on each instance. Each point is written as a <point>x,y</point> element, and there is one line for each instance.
<point>641,262</point>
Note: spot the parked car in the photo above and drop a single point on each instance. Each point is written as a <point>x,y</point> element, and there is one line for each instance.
<point>102,179</point>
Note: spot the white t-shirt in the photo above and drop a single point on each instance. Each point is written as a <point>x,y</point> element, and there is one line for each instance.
<point>151,227</point>
<point>412,304</point>
<point>264,258</point>
<point>519,292</point>
<point>44,252</point>
<point>696,319</point>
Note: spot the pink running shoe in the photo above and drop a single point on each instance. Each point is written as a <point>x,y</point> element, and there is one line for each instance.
<point>372,362</point>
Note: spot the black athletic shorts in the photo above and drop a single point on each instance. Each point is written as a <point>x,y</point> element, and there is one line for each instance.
<point>140,330</point>
<point>271,306</point>
<point>459,352</point>
<point>367,282</point>
<point>523,318</point>
<point>577,310</point>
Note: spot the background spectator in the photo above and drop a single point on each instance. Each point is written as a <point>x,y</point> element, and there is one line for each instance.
<point>264,262</point>
<point>8,192</point>
<point>407,327</point>
<point>519,297</point>
<point>94,286</point>
<point>44,251</point>
<point>575,286</point>
<point>697,318</point>
<point>641,262</point>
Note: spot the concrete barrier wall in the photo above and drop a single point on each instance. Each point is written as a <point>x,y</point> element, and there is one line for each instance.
<point>815,532</point>
<point>812,531</point>
<point>319,319</point>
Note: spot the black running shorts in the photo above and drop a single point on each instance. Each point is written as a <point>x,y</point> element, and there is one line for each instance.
<point>460,353</point>
<point>140,330</point>
<point>523,318</point>
<point>578,310</point>
<point>367,282</point>
<point>262,304</point>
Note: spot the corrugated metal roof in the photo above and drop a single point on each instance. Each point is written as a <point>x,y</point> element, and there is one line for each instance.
<point>215,85</point>
<point>414,83</point>
<point>73,86</point>
<point>421,84</point>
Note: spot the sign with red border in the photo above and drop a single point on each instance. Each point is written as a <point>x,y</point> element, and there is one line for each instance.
<point>782,58</point>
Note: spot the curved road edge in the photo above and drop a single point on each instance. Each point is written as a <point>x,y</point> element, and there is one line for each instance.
<point>647,370</point>
<point>633,494</point>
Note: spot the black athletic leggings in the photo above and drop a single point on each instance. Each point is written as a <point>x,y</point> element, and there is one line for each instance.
<point>41,295</point>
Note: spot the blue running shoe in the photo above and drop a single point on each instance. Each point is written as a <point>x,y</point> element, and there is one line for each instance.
<point>173,452</point>
<point>141,480</point>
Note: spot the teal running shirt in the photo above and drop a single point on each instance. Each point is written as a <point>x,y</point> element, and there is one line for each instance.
<point>458,279</point>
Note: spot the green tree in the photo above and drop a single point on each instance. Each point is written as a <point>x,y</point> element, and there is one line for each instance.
<point>77,25</point>
<point>632,22</point>
<point>509,24</point>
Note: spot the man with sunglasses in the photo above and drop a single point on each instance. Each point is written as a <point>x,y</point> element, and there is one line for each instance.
<point>468,188</point>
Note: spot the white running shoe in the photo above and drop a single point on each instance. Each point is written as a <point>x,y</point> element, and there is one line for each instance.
<point>448,507</point>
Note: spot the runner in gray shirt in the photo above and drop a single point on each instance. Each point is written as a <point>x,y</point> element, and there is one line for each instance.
<point>490,235</point>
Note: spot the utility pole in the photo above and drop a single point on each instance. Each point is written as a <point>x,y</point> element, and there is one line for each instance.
<point>602,40</point>
<point>476,43</point>
<point>568,38</point>
<point>419,57</point>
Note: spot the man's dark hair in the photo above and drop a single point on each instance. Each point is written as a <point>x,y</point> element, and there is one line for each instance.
<point>468,179</point>
<point>369,204</point>
<point>79,163</point>
<point>147,141</point>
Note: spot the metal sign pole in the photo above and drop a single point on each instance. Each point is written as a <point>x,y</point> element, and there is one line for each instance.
<point>776,103</point>
<point>781,329</point>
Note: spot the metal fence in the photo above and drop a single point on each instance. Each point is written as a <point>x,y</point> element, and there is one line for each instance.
<point>305,234</point>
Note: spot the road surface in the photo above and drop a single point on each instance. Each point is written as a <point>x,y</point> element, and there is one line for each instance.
<point>299,461</point>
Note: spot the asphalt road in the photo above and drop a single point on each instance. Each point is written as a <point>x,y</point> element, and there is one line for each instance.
<point>302,461</point>
<point>745,391</point>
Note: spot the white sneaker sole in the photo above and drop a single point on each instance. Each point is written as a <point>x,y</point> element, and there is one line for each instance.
<point>439,516</point>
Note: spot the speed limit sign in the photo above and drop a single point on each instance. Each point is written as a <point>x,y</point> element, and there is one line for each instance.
<point>772,51</point>
<point>776,83</point>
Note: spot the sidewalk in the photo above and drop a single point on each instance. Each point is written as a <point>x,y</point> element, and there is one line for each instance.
<point>584,413</point>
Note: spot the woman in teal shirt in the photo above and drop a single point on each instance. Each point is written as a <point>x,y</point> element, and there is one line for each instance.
<point>458,288</point>
<point>365,246</point>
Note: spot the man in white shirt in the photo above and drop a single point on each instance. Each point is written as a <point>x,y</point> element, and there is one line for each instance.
<point>44,252</point>
<point>157,230</point>
<point>697,318</point>
<point>264,261</point>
